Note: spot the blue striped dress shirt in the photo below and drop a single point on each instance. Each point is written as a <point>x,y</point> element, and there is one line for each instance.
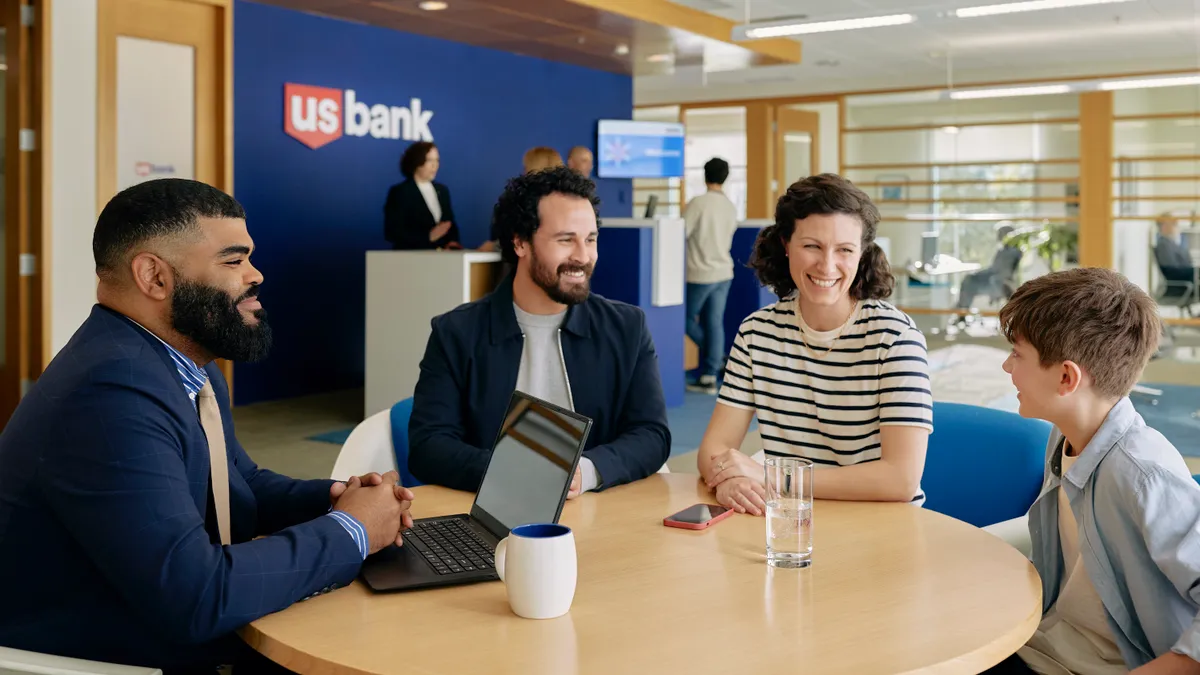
<point>194,378</point>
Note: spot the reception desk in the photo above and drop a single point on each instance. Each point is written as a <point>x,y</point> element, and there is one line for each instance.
<point>405,291</point>
<point>641,262</point>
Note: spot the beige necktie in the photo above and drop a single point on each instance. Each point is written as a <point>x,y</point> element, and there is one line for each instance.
<point>210,419</point>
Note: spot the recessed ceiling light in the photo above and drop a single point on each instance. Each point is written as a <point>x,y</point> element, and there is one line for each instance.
<point>1010,91</point>
<point>1031,6</point>
<point>1150,83</point>
<point>433,5</point>
<point>660,58</point>
<point>783,30</point>
<point>622,50</point>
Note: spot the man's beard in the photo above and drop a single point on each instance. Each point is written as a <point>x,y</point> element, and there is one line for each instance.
<point>550,281</point>
<point>210,318</point>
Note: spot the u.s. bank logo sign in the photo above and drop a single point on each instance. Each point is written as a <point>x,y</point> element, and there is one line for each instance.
<point>318,116</point>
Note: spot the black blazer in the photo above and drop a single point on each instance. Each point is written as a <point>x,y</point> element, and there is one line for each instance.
<point>472,361</point>
<point>407,220</point>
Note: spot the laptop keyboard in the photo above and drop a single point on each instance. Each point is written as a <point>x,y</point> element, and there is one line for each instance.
<point>451,546</point>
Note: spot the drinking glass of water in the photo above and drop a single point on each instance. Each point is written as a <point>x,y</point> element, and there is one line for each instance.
<point>789,511</point>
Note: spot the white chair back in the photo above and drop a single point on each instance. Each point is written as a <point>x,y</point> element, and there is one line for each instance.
<point>368,449</point>
<point>18,661</point>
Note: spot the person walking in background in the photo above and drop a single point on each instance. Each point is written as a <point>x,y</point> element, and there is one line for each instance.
<point>710,221</point>
<point>417,214</point>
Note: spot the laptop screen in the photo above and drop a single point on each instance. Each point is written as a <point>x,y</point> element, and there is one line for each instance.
<point>532,463</point>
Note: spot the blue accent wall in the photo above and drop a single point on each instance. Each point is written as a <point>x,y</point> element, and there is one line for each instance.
<point>314,213</point>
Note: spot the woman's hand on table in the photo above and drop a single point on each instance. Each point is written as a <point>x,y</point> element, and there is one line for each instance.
<point>744,495</point>
<point>733,463</point>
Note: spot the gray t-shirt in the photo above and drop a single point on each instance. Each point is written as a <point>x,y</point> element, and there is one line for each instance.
<point>543,373</point>
<point>710,222</point>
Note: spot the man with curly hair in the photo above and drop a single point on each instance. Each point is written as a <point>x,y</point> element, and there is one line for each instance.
<point>545,333</point>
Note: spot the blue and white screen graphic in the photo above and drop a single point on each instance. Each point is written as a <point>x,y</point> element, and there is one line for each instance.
<point>631,149</point>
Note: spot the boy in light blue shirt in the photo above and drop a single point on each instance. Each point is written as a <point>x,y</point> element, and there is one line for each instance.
<point>1116,529</point>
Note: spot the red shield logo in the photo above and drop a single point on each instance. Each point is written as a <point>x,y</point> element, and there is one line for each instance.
<point>312,115</point>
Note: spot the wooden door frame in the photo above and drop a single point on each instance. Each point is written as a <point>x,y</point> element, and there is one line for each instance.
<point>106,113</point>
<point>789,120</point>
<point>27,89</point>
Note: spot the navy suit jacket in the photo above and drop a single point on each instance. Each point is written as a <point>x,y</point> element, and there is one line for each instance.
<point>109,547</point>
<point>470,368</point>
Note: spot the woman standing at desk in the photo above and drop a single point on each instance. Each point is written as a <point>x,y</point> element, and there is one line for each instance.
<point>417,215</point>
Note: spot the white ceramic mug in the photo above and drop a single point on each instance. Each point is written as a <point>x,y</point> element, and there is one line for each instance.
<point>537,564</point>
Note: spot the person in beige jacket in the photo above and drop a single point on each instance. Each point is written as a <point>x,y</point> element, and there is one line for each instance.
<point>711,220</point>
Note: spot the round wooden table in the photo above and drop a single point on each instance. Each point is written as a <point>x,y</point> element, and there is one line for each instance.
<point>892,589</point>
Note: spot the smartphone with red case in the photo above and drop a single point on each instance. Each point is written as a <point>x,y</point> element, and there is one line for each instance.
<point>698,516</point>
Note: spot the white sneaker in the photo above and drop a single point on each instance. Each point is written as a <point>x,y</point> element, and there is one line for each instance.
<point>706,384</point>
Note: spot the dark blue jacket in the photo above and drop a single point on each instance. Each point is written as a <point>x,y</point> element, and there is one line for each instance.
<point>104,491</point>
<point>470,370</point>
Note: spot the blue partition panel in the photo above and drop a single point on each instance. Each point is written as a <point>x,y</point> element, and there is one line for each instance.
<point>746,295</point>
<point>623,272</point>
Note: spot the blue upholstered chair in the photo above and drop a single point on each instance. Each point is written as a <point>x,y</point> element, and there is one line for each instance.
<point>984,466</point>
<point>401,412</point>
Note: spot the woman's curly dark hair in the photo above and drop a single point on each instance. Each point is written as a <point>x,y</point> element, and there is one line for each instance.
<point>516,212</point>
<point>414,157</point>
<point>825,194</point>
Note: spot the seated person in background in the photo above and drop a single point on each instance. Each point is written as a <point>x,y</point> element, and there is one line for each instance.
<point>1173,259</point>
<point>417,214</point>
<point>580,159</point>
<point>544,333</point>
<point>833,373</point>
<point>540,158</point>
<point>1116,530</point>
<point>995,280</point>
<point>122,541</point>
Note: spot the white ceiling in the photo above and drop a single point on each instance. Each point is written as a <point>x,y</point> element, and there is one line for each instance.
<point>1143,35</point>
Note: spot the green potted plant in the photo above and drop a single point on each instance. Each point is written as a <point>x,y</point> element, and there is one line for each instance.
<point>1055,243</point>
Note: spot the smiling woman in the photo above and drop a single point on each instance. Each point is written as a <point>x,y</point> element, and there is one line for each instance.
<point>833,373</point>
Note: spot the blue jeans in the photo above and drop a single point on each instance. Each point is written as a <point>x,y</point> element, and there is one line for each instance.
<point>706,322</point>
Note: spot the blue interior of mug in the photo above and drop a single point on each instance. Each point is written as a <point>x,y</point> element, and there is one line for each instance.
<point>540,530</point>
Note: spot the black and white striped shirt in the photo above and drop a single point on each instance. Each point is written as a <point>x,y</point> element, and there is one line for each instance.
<point>828,406</point>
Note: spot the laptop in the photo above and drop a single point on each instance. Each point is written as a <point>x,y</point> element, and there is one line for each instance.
<point>527,479</point>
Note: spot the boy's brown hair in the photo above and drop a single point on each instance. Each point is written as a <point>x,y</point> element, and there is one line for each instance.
<point>1092,316</point>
